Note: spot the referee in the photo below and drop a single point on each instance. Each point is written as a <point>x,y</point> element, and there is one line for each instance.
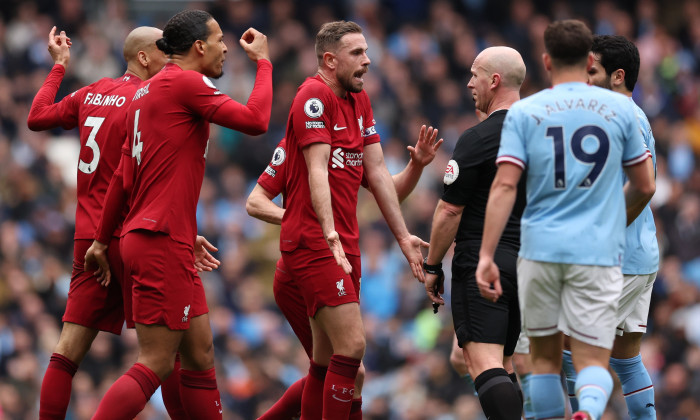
<point>486,331</point>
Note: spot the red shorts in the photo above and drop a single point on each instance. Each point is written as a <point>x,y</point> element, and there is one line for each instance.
<point>291,303</point>
<point>166,289</point>
<point>321,281</point>
<point>90,304</point>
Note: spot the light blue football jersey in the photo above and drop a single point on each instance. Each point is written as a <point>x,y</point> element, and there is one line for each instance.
<point>573,139</point>
<point>642,249</point>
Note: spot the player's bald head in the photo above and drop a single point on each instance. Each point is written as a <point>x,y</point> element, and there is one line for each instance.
<point>505,61</point>
<point>142,38</point>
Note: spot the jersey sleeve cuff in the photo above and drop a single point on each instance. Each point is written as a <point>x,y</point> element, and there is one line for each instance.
<point>512,160</point>
<point>637,160</point>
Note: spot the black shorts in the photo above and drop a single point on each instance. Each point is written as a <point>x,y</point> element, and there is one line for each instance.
<point>475,318</point>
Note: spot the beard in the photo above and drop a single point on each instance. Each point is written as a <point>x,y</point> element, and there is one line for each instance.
<point>348,83</point>
<point>606,83</point>
<point>350,86</point>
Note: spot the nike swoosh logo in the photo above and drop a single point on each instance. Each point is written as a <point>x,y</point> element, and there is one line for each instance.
<point>336,128</point>
<point>340,399</point>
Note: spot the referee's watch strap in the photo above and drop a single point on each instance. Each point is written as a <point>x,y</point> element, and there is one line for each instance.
<point>431,268</point>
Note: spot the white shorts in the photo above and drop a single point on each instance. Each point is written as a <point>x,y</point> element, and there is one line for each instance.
<point>523,344</point>
<point>580,300</point>
<point>633,310</point>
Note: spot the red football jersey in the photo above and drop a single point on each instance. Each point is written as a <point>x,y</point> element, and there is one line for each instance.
<point>347,124</point>
<point>274,178</point>
<point>168,132</point>
<point>99,112</point>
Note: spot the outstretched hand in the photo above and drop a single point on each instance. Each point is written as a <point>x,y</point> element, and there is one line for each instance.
<point>336,247</point>
<point>411,248</point>
<point>59,47</point>
<point>488,278</point>
<point>96,255</point>
<point>254,43</point>
<point>425,149</point>
<point>203,260</point>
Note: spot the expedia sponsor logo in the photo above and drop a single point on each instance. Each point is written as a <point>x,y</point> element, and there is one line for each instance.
<point>104,100</point>
<point>341,158</point>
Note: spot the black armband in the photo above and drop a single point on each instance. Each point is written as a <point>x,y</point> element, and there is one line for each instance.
<point>431,268</point>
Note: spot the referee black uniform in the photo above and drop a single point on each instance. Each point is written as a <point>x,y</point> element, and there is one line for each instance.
<point>467,183</point>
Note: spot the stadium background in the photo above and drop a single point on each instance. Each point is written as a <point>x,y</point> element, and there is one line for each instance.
<point>421,53</point>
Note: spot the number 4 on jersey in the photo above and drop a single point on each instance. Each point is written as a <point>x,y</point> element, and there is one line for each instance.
<point>137,146</point>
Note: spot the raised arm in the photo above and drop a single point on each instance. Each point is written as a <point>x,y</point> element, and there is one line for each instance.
<point>382,187</point>
<point>421,155</point>
<point>253,117</point>
<point>44,114</point>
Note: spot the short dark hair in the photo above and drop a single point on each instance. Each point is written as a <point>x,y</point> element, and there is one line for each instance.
<point>617,52</point>
<point>182,30</point>
<point>568,42</point>
<point>330,33</point>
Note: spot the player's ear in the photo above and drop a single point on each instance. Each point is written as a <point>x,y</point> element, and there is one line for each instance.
<point>618,77</point>
<point>199,46</point>
<point>495,80</point>
<point>547,61</point>
<point>143,58</point>
<point>329,59</point>
<point>589,63</point>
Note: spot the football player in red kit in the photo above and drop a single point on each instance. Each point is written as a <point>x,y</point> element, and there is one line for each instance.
<point>99,113</point>
<point>331,144</point>
<point>270,184</point>
<point>163,169</point>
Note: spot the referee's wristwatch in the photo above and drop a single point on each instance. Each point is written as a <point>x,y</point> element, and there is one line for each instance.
<point>432,268</point>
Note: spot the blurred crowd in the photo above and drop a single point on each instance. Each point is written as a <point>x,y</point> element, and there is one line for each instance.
<point>421,54</point>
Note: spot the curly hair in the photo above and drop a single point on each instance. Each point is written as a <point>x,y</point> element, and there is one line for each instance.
<point>182,30</point>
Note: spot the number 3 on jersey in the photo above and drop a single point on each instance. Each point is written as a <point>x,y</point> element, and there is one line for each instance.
<point>597,158</point>
<point>137,145</point>
<point>95,123</point>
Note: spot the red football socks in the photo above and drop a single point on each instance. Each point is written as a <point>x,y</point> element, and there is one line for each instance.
<point>289,405</point>
<point>312,396</point>
<point>339,387</point>
<point>56,388</point>
<point>128,395</point>
<point>199,394</point>
<point>170,388</point>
